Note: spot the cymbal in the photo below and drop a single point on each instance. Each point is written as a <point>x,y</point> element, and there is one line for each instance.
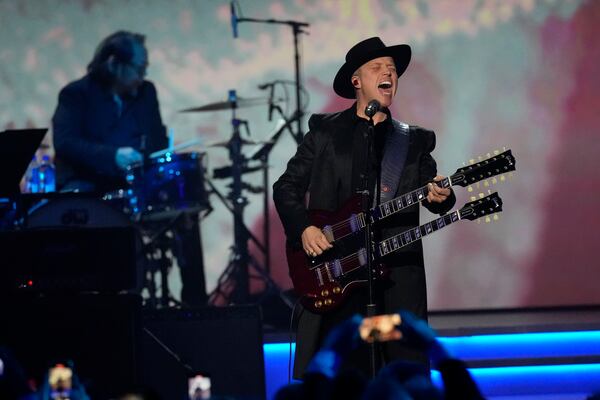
<point>225,172</point>
<point>241,102</point>
<point>244,142</point>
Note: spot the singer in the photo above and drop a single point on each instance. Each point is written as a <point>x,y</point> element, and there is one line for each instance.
<point>329,167</point>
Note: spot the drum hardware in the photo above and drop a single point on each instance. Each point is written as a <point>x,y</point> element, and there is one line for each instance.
<point>233,284</point>
<point>262,154</point>
<point>159,250</point>
<point>297,29</point>
<point>175,148</point>
<point>241,102</point>
<point>243,142</point>
<point>225,172</point>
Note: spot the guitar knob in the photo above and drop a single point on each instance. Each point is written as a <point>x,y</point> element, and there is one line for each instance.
<point>328,302</point>
<point>318,303</point>
<point>336,290</point>
<point>325,293</point>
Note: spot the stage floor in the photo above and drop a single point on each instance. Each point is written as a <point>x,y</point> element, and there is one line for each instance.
<point>533,353</point>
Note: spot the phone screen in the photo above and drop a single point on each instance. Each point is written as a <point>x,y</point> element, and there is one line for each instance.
<point>199,387</point>
<point>380,328</point>
<point>60,380</point>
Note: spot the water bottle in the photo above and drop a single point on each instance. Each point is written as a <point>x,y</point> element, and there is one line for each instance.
<point>31,178</point>
<point>43,177</point>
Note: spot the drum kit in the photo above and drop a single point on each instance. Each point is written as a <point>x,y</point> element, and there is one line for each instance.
<point>171,185</point>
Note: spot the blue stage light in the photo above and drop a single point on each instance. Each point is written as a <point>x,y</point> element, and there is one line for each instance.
<point>496,381</point>
<point>524,345</point>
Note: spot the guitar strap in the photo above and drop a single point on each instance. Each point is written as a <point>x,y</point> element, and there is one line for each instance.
<point>394,157</point>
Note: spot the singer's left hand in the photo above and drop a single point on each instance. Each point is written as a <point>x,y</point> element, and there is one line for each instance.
<point>437,194</point>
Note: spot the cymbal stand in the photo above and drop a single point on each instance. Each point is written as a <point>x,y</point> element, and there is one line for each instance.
<point>240,260</point>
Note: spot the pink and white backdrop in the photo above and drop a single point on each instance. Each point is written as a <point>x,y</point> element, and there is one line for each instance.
<point>485,74</point>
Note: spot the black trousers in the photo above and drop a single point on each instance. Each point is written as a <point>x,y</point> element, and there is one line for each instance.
<point>405,290</point>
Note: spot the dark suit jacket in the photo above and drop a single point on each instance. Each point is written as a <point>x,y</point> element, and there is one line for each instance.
<point>322,169</point>
<point>87,131</point>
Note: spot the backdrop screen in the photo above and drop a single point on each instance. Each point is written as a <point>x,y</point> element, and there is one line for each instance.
<point>520,74</point>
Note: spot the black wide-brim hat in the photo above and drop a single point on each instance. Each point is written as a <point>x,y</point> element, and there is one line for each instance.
<point>364,52</point>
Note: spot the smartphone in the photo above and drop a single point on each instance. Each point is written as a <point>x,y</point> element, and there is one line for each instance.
<point>380,328</point>
<point>60,380</point>
<point>199,386</point>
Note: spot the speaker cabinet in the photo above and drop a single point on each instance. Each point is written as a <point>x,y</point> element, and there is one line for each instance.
<point>98,333</point>
<point>224,343</point>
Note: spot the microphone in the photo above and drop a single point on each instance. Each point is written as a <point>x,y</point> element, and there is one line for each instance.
<point>234,20</point>
<point>271,107</point>
<point>271,86</point>
<point>372,108</point>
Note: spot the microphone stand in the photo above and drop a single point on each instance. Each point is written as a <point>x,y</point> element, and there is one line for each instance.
<point>368,235</point>
<point>263,154</point>
<point>296,31</point>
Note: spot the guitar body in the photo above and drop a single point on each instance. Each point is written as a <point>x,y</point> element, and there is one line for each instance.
<point>326,280</point>
<point>319,280</point>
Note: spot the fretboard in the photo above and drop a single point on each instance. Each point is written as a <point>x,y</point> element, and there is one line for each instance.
<point>393,206</point>
<point>356,222</point>
<point>338,267</point>
<point>396,242</point>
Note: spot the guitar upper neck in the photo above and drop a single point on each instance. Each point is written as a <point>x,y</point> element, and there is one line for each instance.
<point>393,206</point>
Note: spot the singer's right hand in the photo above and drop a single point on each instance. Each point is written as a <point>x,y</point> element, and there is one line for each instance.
<point>126,156</point>
<point>314,241</point>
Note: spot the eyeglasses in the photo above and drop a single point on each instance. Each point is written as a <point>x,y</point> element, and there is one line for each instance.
<point>140,70</point>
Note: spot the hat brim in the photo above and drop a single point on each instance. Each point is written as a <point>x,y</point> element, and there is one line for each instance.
<point>342,84</point>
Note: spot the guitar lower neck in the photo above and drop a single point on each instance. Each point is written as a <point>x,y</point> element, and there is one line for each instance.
<point>356,260</point>
<point>396,242</point>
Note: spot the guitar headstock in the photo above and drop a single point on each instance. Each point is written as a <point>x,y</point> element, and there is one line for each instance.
<point>487,205</point>
<point>496,164</point>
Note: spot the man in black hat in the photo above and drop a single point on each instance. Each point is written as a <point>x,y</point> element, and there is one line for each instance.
<point>330,166</point>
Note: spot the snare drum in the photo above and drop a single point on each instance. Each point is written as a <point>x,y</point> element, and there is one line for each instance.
<point>168,185</point>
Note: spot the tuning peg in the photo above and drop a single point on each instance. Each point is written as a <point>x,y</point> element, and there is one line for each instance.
<point>488,155</point>
<point>502,178</point>
<point>481,195</point>
<point>486,183</point>
<point>473,198</point>
<point>489,192</point>
<point>471,161</point>
<point>469,188</point>
<point>487,219</point>
<point>496,217</point>
<point>496,152</point>
<point>494,180</point>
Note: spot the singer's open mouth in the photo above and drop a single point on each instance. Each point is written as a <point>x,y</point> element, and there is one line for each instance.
<point>385,88</point>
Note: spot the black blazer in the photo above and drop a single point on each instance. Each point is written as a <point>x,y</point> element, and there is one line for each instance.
<point>83,131</point>
<point>322,170</point>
